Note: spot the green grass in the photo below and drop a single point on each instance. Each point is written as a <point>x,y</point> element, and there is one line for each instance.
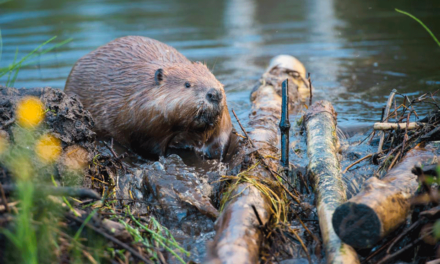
<point>421,23</point>
<point>24,235</point>
<point>29,59</point>
<point>159,236</point>
<point>24,238</point>
<point>436,228</point>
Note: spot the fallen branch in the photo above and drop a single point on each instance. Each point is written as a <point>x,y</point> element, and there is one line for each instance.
<point>238,237</point>
<point>382,205</point>
<point>394,126</point>
<point>325,170</point>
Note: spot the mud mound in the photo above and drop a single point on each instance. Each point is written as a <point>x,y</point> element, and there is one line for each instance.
<point>65,119</point>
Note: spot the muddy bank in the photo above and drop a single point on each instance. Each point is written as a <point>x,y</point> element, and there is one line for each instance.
<point>64,118</point>
<point>177,196</point>
<point>167,210</point>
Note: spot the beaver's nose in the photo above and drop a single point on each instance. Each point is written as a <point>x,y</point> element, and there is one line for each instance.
<point>214,96</point>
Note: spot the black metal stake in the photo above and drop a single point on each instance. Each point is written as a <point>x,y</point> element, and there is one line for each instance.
<point>285,127</point>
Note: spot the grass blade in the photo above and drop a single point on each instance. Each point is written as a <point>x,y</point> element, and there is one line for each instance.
<point>9,76</point>
<point>78,233</point>
<point>11,67</point>
<point>28,62</point>
<point>421,23</point>
<point>11,84</point>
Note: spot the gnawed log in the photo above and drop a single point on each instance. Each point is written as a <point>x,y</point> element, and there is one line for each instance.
<point>382,205</point>
<point>238,237</point>
<point>325,170</point>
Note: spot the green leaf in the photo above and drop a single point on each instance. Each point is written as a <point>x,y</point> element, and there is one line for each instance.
<point>78,233</point>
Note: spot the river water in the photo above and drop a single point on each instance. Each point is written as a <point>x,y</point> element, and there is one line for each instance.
<point>356,51</point>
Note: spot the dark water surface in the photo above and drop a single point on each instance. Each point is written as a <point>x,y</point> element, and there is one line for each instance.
<point>357,51</point>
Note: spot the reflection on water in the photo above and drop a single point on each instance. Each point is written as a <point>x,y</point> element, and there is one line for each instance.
<point>357,51</point>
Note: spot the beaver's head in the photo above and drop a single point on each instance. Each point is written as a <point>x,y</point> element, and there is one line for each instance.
<point>192,97</point>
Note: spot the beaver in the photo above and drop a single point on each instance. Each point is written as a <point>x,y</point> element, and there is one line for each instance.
<point>148,96</point>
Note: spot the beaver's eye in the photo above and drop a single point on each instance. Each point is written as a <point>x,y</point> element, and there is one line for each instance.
<point>187,85</point>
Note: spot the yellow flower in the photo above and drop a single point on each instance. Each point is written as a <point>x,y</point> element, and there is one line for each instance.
<point>48,148</point>
<point>30,112</point>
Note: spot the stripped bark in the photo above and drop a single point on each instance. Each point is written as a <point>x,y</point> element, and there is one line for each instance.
<point>238,237</point>
<point>382,205</point>
<point>394,126</point>
<point>325,170</point>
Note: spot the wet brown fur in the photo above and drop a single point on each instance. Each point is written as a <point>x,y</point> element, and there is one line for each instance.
<point>117,84</point>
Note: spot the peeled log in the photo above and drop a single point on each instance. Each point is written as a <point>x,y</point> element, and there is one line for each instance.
<point>395,126</point>
<point>325,170</point>
<point>238,237</point>
<point>382,205</point>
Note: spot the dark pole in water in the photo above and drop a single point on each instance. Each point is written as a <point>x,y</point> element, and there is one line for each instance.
<point>285,127</point>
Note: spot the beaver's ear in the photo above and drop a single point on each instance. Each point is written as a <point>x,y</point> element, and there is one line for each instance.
<point>159,76</point>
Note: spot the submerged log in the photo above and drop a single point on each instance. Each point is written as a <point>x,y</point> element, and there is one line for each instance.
<point>382,205</point>
<point>325,170</point>
<point>238,237</point>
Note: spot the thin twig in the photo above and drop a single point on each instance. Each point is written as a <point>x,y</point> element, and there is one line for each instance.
<point>302,244</point>
<point>308,231</point>
<point>404,233</point>
<point>12,204</point>
<point>356,162</point>
<point>310,87</point>
<point>387,111</point>
<point>372,255</point>
<point>111,238</point>
<point>394,161</point>
<point>299,174</point>
<point>113,151</point>
<point>410,245</point>
<point>257,215</point>
<point>405,137</point>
